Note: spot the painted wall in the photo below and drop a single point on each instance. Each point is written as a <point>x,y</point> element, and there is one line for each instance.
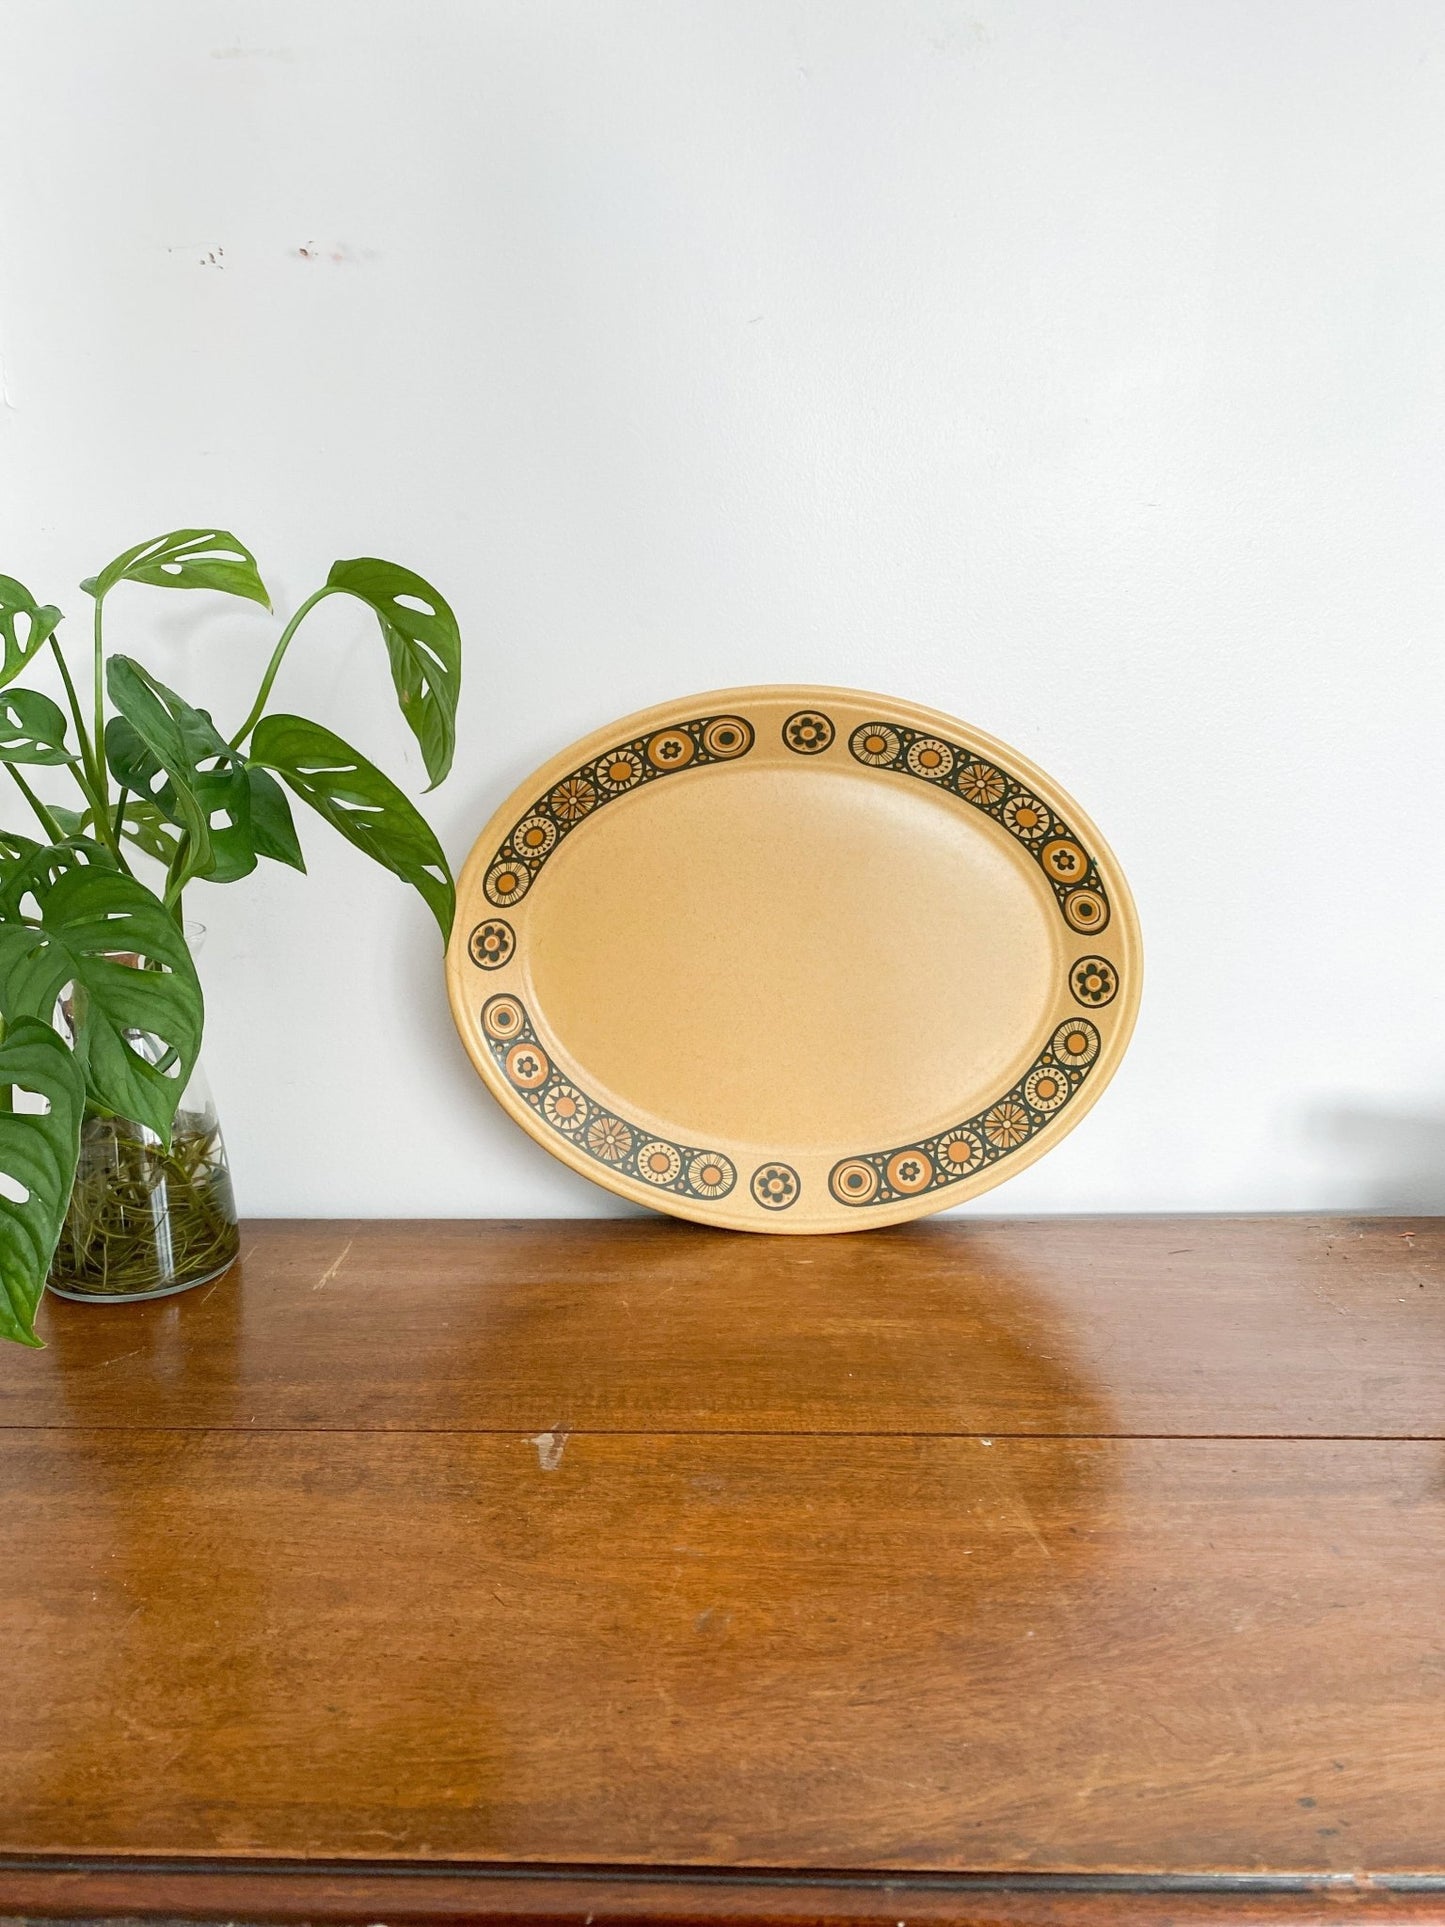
<point>1076,368</point>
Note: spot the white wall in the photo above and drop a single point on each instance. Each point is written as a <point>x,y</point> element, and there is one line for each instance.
<point>1076,368</point>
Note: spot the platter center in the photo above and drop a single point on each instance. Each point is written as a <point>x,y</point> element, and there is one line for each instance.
<point>793,956</point>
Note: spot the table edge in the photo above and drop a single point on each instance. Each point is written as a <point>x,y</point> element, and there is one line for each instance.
<point>121,1887</point>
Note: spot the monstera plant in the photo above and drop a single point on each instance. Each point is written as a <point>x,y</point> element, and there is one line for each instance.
<point>99,1000</point>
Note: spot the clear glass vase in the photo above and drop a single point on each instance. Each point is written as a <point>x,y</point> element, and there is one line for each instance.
<point>145,1221</point>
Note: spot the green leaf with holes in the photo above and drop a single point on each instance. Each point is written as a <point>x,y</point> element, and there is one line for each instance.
<point>273,828</point>
<point>30,869</point>
<point>424,646</point>
<point>38,1154</point>
<point>25,627</point>
<point>173,756</point>
<point>142,824</point>
<point>186,559</point>
<point>32,728</point>
<point>355,798</point>
<point>119,947</point>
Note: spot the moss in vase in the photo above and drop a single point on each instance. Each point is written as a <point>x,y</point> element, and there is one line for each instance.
<point>142,1218</point>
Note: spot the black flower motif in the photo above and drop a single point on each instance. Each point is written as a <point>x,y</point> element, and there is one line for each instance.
<point>775,1186</point>
<point>1094,981</point>
<point>808,732</point>
<point>491,944</point>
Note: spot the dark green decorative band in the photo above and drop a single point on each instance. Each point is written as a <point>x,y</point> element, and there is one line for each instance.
<point>1049,1084</point>
<point>617,772</point>
<point>688,1170</point>
<point>1072,873</point>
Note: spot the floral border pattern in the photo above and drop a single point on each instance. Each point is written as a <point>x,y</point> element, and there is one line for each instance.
<point>872,1178</point>
<point>539,831</point>
<point>1069,869</point>
<point>963,1150</point>
<point>689,1171</point>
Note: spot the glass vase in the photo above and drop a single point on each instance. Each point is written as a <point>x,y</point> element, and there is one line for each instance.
<point>145,1221</point>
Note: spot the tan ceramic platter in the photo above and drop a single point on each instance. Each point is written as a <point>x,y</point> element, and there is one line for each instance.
<point>791,959</point>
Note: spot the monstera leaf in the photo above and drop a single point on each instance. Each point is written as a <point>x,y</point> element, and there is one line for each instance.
<point>25,627</point>
<point>162,749</point>
<point>142,823</point>
<point>424,646</point>
<point>355,798</point>
<point>32,728</point>
<point>95,930</point>
<point>38,1154</point>
<point>186,559</point>
<point>273,828</point>
<point>29,869</point>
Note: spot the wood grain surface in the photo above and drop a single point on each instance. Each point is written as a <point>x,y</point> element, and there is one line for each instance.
<point>1102,1327</point>
<point>1113,1578</point>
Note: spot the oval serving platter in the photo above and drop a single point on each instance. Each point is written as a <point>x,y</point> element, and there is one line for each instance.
<point>794,959</point>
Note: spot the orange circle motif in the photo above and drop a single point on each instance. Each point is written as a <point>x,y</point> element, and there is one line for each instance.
<point>659,1162</point>
<point>534,837</point>
<point>527,1067</point>
<point>729,736</point>
<point>960,1152</point>
<point>565,1108</point>
<point>1063,860</point>
<point>711,1175</point>
<point>671,749</point>
<point>854,1182</point>
<point>1027,817</point>
<point>1086,909</point>
<point>503,1018</point>
<point>1045,1089</point>
<point>875,743</point>
<point>930,759</point>
<point>618,771</point>
<point>910,1171</point>
<point>1075,1043</point>
<point>507,882</point>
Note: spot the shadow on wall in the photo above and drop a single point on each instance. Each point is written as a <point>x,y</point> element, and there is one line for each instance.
<point>1393,1160</point>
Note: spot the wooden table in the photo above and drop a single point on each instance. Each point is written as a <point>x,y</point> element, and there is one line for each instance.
<point>1050,1571</point>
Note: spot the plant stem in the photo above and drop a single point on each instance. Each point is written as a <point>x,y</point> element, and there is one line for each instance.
<point>119,815</point>
<point>102,786</point>
<point>177,876</point>
<point>87,750</point>
<point>276,658</point>
<point>47,821</point>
